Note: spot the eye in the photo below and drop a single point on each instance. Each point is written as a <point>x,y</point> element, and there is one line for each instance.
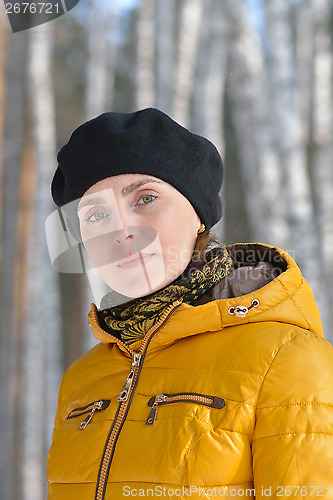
<point>96,217</point>
<point>145,199</point>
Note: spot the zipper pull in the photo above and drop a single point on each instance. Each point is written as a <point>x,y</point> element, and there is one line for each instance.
<point>123,395</point>
<point>97,406</point>
<point>152,414</point>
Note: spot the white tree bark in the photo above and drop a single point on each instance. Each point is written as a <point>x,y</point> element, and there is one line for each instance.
<point>100,68</point>
<point>145,72</point>
<point>198,119</point>
<point>42,370</point>
<point>190,20</point>
<point>210,79</point>
<point>10,376</point>
<point>322,160</point>
<point>3,60</point>
<point>304,65</point>
<point>285,115</point>
<point>165,53</point>
<point>213,96</point>
<point>247,94</point>
<point>291,148</point>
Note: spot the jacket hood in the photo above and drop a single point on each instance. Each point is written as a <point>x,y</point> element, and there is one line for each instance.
<point>265,285</point>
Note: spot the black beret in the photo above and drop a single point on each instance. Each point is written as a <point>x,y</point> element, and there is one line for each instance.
<point>145,142</point>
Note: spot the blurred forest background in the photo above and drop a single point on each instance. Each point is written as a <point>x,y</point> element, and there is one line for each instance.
<point>255,77</point>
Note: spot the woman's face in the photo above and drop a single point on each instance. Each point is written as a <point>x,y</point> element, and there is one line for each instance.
<point>139,231</point>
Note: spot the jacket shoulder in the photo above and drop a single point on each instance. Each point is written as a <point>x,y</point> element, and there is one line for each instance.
<point>306,359</point>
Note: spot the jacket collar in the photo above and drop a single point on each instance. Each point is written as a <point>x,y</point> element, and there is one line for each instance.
<point>265,285</point>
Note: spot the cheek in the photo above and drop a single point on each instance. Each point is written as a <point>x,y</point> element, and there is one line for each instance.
<point>98,251</point>
<point>178,236</point>
<point>90,241</point>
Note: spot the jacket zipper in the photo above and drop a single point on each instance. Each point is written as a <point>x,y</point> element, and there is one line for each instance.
<point>123,395</point>
<point>192,397</point>
<point>124,399</point>
<point>91,410</point>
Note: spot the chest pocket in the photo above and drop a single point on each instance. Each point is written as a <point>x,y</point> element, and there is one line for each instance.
<point>179,440</point>
<point>185,397</point>
<point>90,410</point>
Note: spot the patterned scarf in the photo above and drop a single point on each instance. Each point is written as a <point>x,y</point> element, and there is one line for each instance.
<point>131,321</point>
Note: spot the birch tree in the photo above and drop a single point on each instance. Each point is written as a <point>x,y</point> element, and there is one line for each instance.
<point>200,112</point>
<point>165,52</point>
<point>3,61</point>
<point>246,92</point>
<point>145,58</point>
<point>42,330</point>
<point>3,57</point>
<point>304,50</point>
<point>213,95</point>
<point>101,32</point>
<point>292,156</point>
<point>322,156</point>
<point>10,340</point>
<point>210,80</point>
<point>190,19</point>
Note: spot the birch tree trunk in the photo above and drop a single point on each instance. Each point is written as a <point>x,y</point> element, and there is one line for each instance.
<point>246,91</point>
<point>145,60</point>
<point>3,58</point>
<point>42,370</point>
<point>190,21</point>
<point>10,341</point>
<point>165,53</point>
<point>3,61</point>
<point>210,80</point>
<point>291,148</point>
<point>100,74</point>
<point>213,96</point>
<point>200,113</point>
<point>322,157</point>
<point>304,66</point>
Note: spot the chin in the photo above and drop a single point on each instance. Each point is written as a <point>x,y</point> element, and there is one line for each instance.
<point>135,283</point>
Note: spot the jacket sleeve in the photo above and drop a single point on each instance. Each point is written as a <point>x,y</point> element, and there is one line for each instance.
<point>293,438</point>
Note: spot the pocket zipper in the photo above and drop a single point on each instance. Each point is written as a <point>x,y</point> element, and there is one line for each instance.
<point>91,409</point>
<point>192,397</point>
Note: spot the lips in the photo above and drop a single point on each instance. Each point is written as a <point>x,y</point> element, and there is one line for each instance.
<point>135,260</point>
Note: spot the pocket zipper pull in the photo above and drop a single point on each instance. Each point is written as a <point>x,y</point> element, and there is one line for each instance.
<point>123,395</point>
<point>97,406</point>
<point>152,414</point>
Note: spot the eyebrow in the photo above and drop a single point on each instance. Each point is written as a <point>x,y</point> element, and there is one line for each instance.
<point>99,200</point>
<point>135,185</point>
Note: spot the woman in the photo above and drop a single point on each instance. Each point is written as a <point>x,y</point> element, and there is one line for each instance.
<point>212,377</point>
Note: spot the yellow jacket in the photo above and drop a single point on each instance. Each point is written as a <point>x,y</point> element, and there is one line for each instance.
<point>232,397</point>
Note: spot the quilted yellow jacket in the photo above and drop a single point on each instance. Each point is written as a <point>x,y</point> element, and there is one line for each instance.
<point>231,397</point>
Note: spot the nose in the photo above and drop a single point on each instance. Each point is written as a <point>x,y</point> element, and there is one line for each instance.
<point>131,239</point>
<point>122,236</point>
